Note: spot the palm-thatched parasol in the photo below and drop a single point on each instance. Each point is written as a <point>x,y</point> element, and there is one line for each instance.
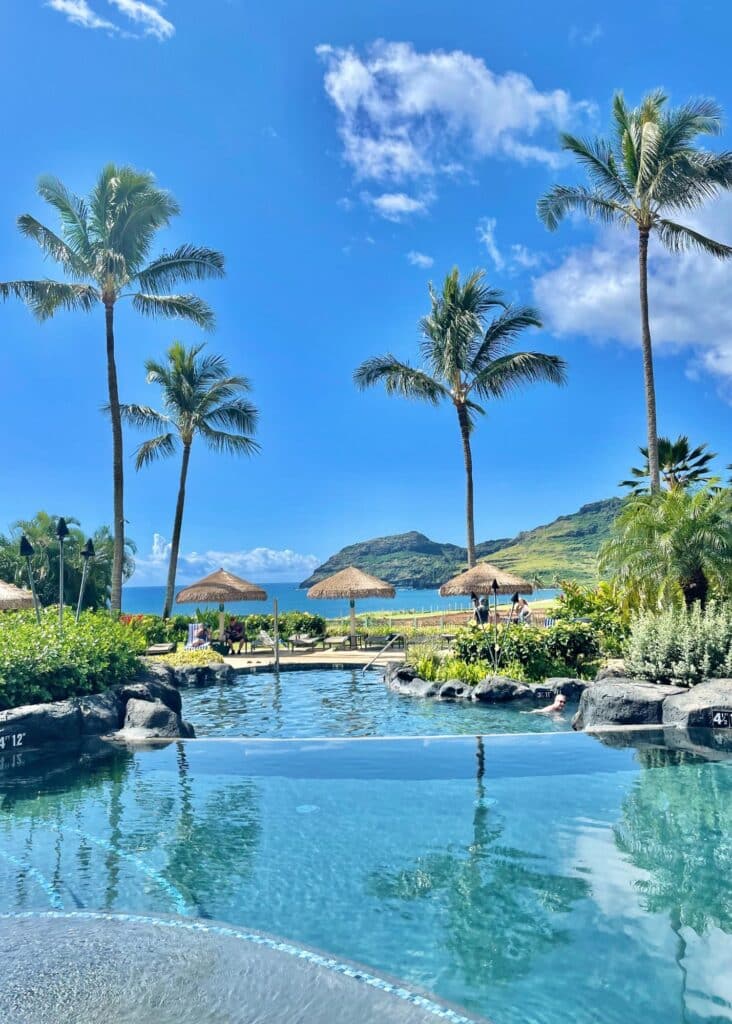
<point>221,587</point>
<point>485,578</point>
<point>12,597</point>
<point>351,583</point>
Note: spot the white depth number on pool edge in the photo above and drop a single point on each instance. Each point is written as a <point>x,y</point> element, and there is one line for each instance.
<point>13,739</point>
<point>722,719</point>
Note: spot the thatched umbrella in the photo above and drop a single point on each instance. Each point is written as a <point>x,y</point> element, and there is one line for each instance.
<point>485,578</point>
<point>12,597</point>
<point>351,583</point>
<point>221,587</point>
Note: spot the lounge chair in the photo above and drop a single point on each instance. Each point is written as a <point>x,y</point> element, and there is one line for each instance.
<point>191,644</point>
<point>303,642</point>
<point>156,649</point>
<point>263,640</point>
<point>337,643</point>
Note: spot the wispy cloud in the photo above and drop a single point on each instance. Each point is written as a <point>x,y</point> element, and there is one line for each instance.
<point>585,36</point>
<point>146,16</point>
<point>395,206</point>
<point>419,259</point>
<point>259,564</point>
<point>78,12</point>
<point>593,292</point>
<point>486,231</point>
<point>402,114</point>
<point>150,20</point>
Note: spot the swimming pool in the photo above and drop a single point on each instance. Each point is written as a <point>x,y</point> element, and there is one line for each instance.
<point>533,879</point>
<point>345,702</point>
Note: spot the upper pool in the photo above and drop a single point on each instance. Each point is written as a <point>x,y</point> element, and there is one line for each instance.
<point>531,879</point>
<point>345,702</point>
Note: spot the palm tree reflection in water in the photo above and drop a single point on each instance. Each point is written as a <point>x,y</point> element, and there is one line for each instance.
<point>500,908</point>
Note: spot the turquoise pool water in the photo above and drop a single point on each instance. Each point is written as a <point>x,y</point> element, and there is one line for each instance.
<point>565,880</point>
<point>345,702</point>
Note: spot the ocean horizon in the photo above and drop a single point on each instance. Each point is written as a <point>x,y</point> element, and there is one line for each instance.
<point>291,597</point>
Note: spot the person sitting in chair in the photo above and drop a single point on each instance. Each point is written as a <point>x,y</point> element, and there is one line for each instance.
<point>235,634</point>
<point>481,612</point>
<point>200,636</point>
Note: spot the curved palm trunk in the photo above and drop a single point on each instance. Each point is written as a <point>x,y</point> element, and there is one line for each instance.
<point>647,347</point>
<point>468,457</point>
<point>177,526</point>
<point>118,525</point>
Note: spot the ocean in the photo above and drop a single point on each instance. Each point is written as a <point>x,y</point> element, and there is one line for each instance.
<point>149,600</point>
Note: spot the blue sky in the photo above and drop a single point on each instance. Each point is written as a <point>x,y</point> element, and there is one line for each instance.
<point>341,156</point>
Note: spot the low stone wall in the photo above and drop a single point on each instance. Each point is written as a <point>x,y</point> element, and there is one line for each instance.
<point>403,679</point>
<point>149,707</point>
<point>622,702</point>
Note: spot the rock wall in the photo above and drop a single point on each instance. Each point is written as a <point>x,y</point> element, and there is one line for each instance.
<point>620,701</point>
<point>403,679</point>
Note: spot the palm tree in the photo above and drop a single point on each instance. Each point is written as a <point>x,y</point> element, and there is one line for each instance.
<point>199,398</point>
<point>104,251</point>
<point>679,465</point>
<point>648,169</point>
<point>671,545</point>
<point>466,357</point>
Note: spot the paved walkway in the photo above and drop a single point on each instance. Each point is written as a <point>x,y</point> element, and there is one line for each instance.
<point>263,661</point>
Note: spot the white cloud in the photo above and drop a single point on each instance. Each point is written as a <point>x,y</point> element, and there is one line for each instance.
<point>419,259</point>
<point>593,292</point>
<point>395,206</point>
<point>585,37</point>
<point>78,12</point>
<point>402,114</point>
<point>487,235</point>
<point>523,257</point>
<point>258,564</point>
<point>149,19</point>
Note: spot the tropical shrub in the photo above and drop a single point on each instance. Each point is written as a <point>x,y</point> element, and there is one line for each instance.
<point>431,666</point>
<point>671,548</point>
<point>681,646</point>
<point>601,608</point>
<point>43,663</point>
<point>182,659</point>
<point>41,532</point>
<point>567,648</point>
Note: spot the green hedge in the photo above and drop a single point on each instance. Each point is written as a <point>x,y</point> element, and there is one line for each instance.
<point>565,649</point>
<point>40,663</point>
<point>156,630</point>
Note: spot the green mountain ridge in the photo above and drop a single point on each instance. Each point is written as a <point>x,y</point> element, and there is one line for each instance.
<point>563,549</point>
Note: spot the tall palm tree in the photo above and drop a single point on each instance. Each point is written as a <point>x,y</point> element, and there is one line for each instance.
<point>104,250</point>
<point>679,465</point>
<point>200,398</point>
<point>649,168</point>
<point>671,546</point>
<point>466,357</point>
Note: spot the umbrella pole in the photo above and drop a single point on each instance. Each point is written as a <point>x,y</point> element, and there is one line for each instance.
<point>352,605</point>
<point>276,630</point>
<point>222,621</point>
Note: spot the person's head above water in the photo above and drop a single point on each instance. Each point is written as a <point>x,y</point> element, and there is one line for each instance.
<point>560,700</point>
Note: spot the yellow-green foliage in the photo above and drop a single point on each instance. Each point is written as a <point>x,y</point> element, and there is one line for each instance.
<point>43,663</point>
<point>182,659</point>
<point>430,666</point>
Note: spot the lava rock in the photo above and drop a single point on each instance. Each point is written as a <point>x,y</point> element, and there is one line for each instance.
<point>611,672</point>
<point>697,707</point>
<point>146,719</point>
<point>35,726</point>
<point>152,689</point>
<point>571,688</point>
<point>622,702</point>
<point>453,689</point>
<point>500,689</point>
<point>101,713</point>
